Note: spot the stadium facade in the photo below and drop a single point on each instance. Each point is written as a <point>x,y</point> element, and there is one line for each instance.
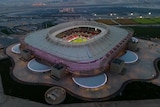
<point>101,44</point>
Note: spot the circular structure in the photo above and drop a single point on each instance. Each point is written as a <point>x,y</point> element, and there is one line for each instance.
<point>16,49</point>
<point>85,47</point>
<point>74,30</point>
<point>129,57</point>
<point>37,66</point>
<point>91,82</point>
<point>55,95</point>
<point>134,40</point>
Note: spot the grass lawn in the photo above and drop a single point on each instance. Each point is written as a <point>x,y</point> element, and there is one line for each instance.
<point>130,21</point>
<point>79,40</point>
<point>126,21</point>
<point>106,21</point>
<point>147,20</point>
<point>146,32</point>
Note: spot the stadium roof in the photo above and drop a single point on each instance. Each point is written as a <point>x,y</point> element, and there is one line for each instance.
<point>84,52</point>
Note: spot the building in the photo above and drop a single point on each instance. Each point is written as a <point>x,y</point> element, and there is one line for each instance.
<point>73,55</point>
<point>86,48</point>
<point>117,66</point>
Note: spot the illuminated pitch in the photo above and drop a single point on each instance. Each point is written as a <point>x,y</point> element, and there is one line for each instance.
<point>79,40</point>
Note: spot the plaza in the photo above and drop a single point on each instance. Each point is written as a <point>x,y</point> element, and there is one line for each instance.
<point>109,84</point>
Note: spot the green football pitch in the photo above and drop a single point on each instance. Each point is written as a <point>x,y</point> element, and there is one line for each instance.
<point>79,40</point>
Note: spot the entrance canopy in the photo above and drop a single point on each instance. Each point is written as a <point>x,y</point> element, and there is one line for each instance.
<point>36,66</point>
<point>129,57</point>
<point>16,49</point>
<point>91,82</point>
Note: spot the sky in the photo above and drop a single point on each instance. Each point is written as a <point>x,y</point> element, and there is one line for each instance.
<point>54,2</point>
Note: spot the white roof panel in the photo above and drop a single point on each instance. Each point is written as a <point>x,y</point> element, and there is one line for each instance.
<point>93,50</point>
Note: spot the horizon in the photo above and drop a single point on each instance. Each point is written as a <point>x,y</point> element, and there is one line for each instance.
<point>46,3</point>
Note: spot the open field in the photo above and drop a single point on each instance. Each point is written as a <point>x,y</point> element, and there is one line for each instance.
<point>146,32</point>
<point>147,20</point>
<point>125,21</point>
<point>106,21</point>
<point>130,21</point>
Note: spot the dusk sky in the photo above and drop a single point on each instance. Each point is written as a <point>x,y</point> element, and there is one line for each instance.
<point>29,2</point>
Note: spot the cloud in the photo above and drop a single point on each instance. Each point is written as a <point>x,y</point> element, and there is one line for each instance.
<point>55,2</point>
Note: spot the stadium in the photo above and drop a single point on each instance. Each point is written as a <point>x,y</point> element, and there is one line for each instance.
<point>85,48</point>
<point>80,57</point>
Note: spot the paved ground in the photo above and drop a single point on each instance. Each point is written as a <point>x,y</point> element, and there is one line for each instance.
<point>142,69</point>
<point>8,101</point>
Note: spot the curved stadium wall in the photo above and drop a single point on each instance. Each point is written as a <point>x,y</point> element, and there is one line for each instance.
<point>81,67</point>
